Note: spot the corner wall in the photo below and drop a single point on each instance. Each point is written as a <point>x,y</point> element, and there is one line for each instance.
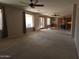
<point>76,37</point>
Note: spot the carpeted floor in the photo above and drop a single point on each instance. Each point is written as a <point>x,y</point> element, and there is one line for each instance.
<point>48,44</point>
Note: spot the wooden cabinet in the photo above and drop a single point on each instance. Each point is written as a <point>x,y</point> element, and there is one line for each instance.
<point>65,23</point>
<point>68,23</point>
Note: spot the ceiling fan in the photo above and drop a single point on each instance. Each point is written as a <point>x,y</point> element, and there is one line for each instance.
<point>32,4</point>
<point>55,15</point>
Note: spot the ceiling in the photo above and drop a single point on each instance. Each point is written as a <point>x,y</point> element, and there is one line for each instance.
<point>59,7</point>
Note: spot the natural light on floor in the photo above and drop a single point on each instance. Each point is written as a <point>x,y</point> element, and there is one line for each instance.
<point>29,21</point>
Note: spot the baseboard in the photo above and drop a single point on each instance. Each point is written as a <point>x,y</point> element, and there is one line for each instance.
<point>15,35</point>
<point>77,55</point>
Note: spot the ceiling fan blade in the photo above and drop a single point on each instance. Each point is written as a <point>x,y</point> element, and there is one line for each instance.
<point>31,0</point>
<point>56,15</point>
<point>39,5</point>
<point>32,5</point>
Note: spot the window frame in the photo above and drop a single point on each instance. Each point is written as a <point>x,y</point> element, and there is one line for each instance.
<point>32,26</point>
<point>48,22</point>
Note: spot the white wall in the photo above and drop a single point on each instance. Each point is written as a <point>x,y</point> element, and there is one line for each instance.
<point>77,28</point>
<point>14,18</point>
<point>15,21</point>
<point>36,21</point>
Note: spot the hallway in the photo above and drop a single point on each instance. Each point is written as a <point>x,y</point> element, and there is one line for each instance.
<point>48,44</point>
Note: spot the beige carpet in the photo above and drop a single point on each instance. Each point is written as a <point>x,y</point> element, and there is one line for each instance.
<point>47,44</point>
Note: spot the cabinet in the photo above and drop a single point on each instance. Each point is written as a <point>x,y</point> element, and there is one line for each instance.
<point>68,23</point>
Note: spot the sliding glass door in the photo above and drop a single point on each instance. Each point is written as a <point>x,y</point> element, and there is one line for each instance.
<point>29,21</point>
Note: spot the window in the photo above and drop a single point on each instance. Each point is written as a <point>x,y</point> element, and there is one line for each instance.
<point>48,21</point>
<point>29,21</point>
<point>0,19</point>
<point>41,22</point>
